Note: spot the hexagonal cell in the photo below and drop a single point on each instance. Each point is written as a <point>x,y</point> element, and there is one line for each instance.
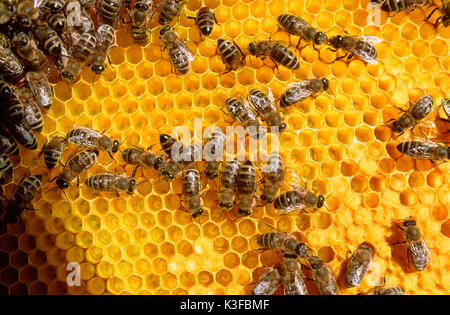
<point>18,289</point>
<point>8,243</point>
<point>19,259</point>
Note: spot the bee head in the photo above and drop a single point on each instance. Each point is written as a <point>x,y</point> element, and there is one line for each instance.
<point>62,184</point>
<point>54,7</point>
<point>244,212</point>
<point>67,75</point>
<point>20,40</point>
<point>5,91</point>
<point>252,48</point>
<point>396,127</point>
<point>167,175</point>
<point>266,199</point>
<point>446,20</point>
<point>132,186</point>
<point>321,201</point>
<point>320,38</point>
<point>158,163</point>
<point>442,152</point>
<point>282,127</point>
<point>98,69</point>
<point>25,22</point>
<point>291,245</point>
<point>225,205</point>
<point>164,30</point>
<point>325,83</point>
<point>301,249</point>
<point>115,146</point>
<point>198,213</point>
<point>212,174</point>
<point>336,41</point>
<point>316,262</point>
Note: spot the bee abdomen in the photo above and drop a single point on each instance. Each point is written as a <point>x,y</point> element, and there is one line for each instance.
<point>58,21</point>
<point>169,12</point>
<point>287,200</point>
<point>7,144</point>
<point>33,117</point>
<point>269,240</point>
<point>102,182</point>
<point>285,57</point>
<point>5,165</point>
<point>56,5</point>
<point>205,21</point>
<point>110,10</point>
<point>246,178</point>
<point>139,34</point>
<point>23,135</point>
<point>28,189</point>
<point>85,46</point>
<point>15,108</point>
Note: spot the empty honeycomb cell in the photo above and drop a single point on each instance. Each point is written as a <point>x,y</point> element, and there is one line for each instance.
<point>224,277</point>
<point>408,198</point>
<point>323,220</point>
<point>239,244</point>
<point>416,180</point>
<point>220,245</point>
<point>359,184</point>
<point>397,182</point>
<point>75,254</point>
<point>378,183</point>
<point>231,260</point>
<point>435,179</point>
<point>37,258</point>
<point>420,48</point>
<point>303,222</point>
<point>405,164</point>
<point>205,278</point>
<point>364,133</point>
<point>27,242</point>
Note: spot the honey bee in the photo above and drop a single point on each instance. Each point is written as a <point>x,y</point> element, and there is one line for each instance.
<point>77,165</point>
<point>31,55</point>
<point>140,157</point>
<point>32,114</point>
<point>87,3</point>
<point>41,88</point>
<point>191,187</point>
<point>83,50</point>
<point>77,18</point>
<point>48,39</point>
<point>27,190</point>
<point>205,20</point>
<point>242,113</point>
<point>56,5</point>
<point>179,54</point>
<point>446,106</point>
<point>273,178</point>
<point>298,199</point>
<point>293,283</point>
<point>170,10</point>
<point>141,14</point>
<point>299,91</point>
<point>323,277</point>
<point>119,183</point>
<point>400,5</point>
<point>7,143</point>
<point>106,37</point>
<point>5,90</point>
<point>93,139</point>
<point>214,147</point>
<point>359,264</point>
<point>110,10</point>
<point>58,21</point>
<point>416,112</point>
<point>170,168</point>
<point>232,56</point>
<point>7,9</point>
<point>387,290</point>
<point>53,150</point>
<point>226,192</point>
<point>170,145</point>
<point>284,242</point>
<point>418,252</point>
<point>246,187</point>
<point>268,283</point>
<point>14,108</point>
<point>10,67</point>
<point>445,18</point>
<point>297,26</point>
<point>26,13</point>
<point>276,51</point>
<point>23,135</point>
<point>425,150</point>
<point>6,167</point>
<point>361,46</point>
<point>264,105</point>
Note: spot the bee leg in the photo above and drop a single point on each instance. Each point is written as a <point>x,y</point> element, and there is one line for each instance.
<point>276,65</point>
<point>408,252</point>
<point>110,155</point>
<point>333,50</point>
<point>215,20</point>
<point>399,227</point>
<point>398,243</point>
<point>438,21</point>
<point>315,48</point>
<point>429,15</point>
<point>298,44</point>
<point>78,181</point>
<point>134,171</point>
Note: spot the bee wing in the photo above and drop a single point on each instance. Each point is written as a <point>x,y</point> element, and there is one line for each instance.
<point>268,283</point>
<point>258,103</point>
<point>364,55</point>
<point>419,251</point>
<point>185,50</point>
<point>37,3</point>
<point>298,90</point>
<point>40,87</point>
<point>423,150</point>
<point>293,283</point>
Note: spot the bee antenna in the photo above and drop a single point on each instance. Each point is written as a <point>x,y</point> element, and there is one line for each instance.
<point>147,180</point>
<point>66,196</point>
<point>110,155</point>
<point>200,223</point>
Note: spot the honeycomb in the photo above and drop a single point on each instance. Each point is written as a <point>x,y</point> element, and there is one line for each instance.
<point>146,244</point>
